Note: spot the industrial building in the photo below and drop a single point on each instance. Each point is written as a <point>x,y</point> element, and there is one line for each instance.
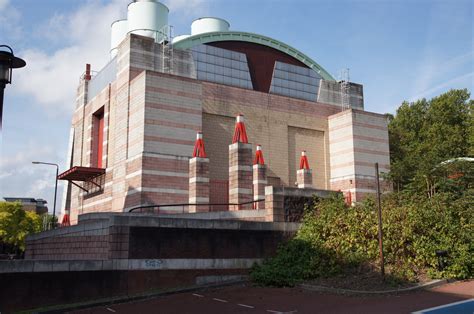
<point>135,121</point>
<point>30,204</point>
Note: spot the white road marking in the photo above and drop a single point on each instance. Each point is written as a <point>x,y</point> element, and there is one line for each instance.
<point>198,295</point>
<point>110,310</point>
<point>443,306</point>
<point>219,300</point>
<point>278,312</point>
<point>245,305</point>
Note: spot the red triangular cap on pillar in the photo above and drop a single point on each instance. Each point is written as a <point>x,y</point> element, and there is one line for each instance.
<point>199,150</point>
<point>240,135</point>
<point>259,156</point>
<point>304,161</point>
<point>66,222</point>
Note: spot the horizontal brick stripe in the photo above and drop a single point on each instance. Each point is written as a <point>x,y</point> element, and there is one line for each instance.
<point>200,199</point>
<point>108,199</point>
<point>360,150</point>
<point>157,173</point>
<point>198,159</point>
<point>240,168</point>
<point>149,138</point>
<point>156,105</point>
<point>172,124</point>
<point>359,163</point>
<point>172,92</point>
<point>350,138</point>
<point>198,179</point>
<point>157,190</point>
<point>240,191</point>
<point>359,124</point>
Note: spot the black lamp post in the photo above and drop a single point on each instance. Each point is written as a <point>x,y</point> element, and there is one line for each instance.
<point>55,187</point>
<point>7,62</point>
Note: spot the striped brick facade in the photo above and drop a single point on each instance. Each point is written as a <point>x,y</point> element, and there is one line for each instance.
<point>259,184</point>
<point>357,140</point>
<point>304,178</point>
<point>240,174</point>
<point>150,122</point>
<point>198,184</point>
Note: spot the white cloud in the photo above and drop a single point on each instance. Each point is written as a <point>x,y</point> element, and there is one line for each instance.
<point>20,178</point>
<point>51,78</point>
<point>9,21</point>
<point>451,83</point>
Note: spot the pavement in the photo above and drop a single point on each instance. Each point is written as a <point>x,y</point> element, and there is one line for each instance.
<point>245,298</point>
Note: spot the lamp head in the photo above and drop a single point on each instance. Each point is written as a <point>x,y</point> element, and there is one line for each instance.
<point>8,61</point>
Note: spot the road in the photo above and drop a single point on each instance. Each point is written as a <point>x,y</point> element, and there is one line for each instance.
<point>248,299</point>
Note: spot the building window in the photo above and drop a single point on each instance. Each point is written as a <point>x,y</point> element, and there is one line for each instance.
<point>222,66</point>
<point>295,81</point>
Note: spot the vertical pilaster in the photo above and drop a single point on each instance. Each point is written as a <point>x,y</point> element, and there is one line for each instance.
<point>199,184</point>
<point>240,175</point>
<point>304,178</point>
<point>259,179</point>
<point>274,204</point>
<point>240,167</point>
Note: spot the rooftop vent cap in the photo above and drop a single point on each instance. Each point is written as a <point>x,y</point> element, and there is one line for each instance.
<point>208,25</point>
<point>148,18</point>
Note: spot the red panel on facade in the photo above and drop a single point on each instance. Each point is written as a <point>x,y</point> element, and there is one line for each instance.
<point>100,139</point>
<point>261,60</point>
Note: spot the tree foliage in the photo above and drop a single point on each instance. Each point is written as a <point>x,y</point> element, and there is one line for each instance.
<point>16,224</point>
<point>334,237</point>
<point>425,133</point>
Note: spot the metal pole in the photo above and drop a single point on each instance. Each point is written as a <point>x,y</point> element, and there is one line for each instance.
<point>55,193</point>
<point>379,210</point>
<point>2,89</point>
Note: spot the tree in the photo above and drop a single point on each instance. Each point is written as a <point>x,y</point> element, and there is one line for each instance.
<point>16,224</point>
<point>425,133</point>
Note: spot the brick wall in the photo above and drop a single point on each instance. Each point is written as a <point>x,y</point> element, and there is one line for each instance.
<point>357,140</point>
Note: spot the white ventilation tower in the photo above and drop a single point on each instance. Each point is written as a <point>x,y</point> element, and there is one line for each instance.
<point>147,18</point>
<point>144,17</point>
<point>119,30</point>
<point>208,25</point>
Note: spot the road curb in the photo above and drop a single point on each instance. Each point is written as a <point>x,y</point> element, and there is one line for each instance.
<point>123,299</point>
<point>428,285</point>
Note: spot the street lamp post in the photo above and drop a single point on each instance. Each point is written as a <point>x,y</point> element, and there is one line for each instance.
<point>8,61</point>
<point>56,185</point>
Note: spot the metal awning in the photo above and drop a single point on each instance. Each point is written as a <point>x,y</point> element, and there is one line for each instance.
<point>84,174</point>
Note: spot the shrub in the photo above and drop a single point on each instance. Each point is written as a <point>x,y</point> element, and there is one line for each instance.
<point>334,237</point>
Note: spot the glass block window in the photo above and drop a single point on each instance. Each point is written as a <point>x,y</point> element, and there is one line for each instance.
<point>295,81</point>
<point>221,66</point>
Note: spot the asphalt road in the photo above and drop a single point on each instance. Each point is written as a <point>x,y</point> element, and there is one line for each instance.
<point>248,299</point>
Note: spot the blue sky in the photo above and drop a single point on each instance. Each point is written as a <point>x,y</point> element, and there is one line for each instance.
<point>399,50</point>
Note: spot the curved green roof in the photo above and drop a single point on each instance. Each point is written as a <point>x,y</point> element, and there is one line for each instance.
<point>205,38</point>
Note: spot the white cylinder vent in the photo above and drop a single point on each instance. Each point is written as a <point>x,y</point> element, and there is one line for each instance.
<point>147,18</point>
<point>119,30</point>
<point>209,24</point>
<point>179,38</point>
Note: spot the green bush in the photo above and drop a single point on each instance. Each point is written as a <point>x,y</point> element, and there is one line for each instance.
<point>334,237</point>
